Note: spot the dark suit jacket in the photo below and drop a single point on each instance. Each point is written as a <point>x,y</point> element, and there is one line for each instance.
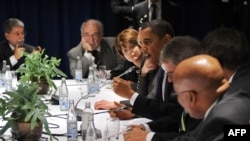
<point>6,52</point>
<point>108,57</point>
<point>152,109</point>
<point>122,10</point>
<point>170,13</point>
<point>241,79</point>
<point>230,109</point>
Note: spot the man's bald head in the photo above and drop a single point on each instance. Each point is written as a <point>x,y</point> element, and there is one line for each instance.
<point>203,67</point>
<point>202,78</point>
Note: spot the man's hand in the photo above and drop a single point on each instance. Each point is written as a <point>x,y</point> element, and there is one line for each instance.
<point>136,134</point>
<point>37,49</point>
<point>18,52</point>
<point>105,105</point>
<point>86,45</point>
<point>122,87</point>
<point>122,114</point>
<point>147,66</point>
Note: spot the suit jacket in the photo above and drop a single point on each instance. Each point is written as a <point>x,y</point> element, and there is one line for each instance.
<point>122,10</point>
<point>108,57</point>
<point>230,109</point>
<point>152,109</point>
<point>170,13</point>
<point>6,52</point>
<point>241,79</point>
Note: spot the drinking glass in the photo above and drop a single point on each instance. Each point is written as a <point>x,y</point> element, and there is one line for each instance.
<point>102,74</point>
<point>112,127</point>
<point>14,79</point>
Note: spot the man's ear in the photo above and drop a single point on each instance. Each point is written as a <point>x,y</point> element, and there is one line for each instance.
<point>192,99</point>
<point>224,86</point>
<point>167,37</point>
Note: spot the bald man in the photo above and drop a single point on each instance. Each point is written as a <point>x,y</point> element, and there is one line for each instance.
<point>200,86</point>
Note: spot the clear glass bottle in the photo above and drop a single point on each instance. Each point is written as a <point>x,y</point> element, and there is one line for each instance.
<point>63,96</point>
<point>8,79</point>
<point>2,77</point>
<point>97,79</point>
<point>86,113</point>
<point>72,123</point>
<point>91,133</point>
<point>91,81</point>
<point>78,71</point>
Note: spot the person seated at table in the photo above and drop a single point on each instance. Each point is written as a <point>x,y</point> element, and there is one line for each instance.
<point>12,48</point>
<point>201,89</point>
<point>158,32</point>
<point>222,43</point>
<point>127,46</point>
<point>230,47</point>
<point>94,49</point>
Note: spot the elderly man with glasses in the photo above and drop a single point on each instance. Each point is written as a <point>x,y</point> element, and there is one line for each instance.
<point>94,49</point>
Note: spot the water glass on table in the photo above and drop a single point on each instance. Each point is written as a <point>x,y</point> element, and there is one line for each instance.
<point>102,74</point>
<point>112,127</point>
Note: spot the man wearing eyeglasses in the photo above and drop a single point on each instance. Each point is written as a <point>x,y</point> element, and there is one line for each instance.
<point>13,47</point>
<point>94,49</point>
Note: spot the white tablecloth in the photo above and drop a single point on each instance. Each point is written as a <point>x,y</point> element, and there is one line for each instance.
<point>58,123</point>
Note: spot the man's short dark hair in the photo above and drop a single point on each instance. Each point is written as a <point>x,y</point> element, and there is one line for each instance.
<point>228,45</point>
<point>159,27</point>
<point>10,23</point>
<point>180,48</point>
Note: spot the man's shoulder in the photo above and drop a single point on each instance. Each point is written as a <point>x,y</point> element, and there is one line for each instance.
<point>75,49</point>
<point>108,42</point>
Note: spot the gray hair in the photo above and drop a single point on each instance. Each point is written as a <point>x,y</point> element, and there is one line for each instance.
<point>95,21</point>
<point>10,23</point>
<point>180,48</point>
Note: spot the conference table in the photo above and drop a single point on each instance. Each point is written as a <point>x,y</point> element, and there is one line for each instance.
<point>77,90</point>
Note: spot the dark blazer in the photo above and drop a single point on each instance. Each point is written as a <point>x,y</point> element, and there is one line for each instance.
<point>108,57</point>
<point>231,109</point>
<point>241,79</point>
<point>170,13</point>
<point>152,109</point>
<point>6,52</point>
<point>122,10</point>
<point>163,132</point>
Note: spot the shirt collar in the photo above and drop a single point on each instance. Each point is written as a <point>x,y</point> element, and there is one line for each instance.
<point>231,78</point>
<point>158,3</point>
<point>209,109</point>
<point>12,47</point>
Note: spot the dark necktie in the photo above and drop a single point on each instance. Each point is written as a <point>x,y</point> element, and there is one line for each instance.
<point>153,16</point>
<point>96,54</point>
<point>160,78</point>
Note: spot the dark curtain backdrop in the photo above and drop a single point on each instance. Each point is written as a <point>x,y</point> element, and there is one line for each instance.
<point>55,24</point>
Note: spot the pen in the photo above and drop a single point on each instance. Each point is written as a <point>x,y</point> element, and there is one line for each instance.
<point>117,109</point>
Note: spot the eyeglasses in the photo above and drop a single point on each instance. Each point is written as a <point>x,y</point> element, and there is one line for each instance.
<point>87,36</point>
<point>17,33</point>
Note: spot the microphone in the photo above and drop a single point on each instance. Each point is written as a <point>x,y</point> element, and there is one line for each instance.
<point>127,71</point>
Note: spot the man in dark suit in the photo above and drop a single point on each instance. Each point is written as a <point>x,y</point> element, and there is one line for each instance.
<point>12,48</point>
<point>231,48</point>
<point>152,37</point>
<point>122,10</point>
<point>200,87</point>
<point>165,9</point>
<point>94,49</point>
